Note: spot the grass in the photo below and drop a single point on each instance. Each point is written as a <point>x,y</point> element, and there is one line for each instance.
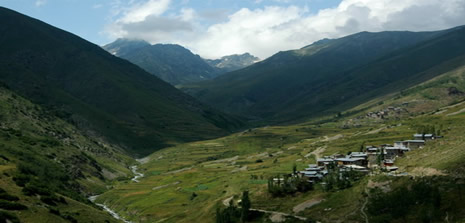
<point>53,159</point>
<point>100,93</point>
<point>222,168</point>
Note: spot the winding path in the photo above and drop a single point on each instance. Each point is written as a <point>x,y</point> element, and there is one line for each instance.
<point>363,208</point>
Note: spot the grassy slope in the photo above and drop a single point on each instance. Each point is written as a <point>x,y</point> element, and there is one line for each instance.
<point>214,178</point>
<point>68,164</point>
<point>101,93</point>
<point>335,75</point>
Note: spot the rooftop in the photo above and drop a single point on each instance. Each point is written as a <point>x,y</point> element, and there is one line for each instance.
<point>308,172</point>
<point>347,159</point>
<point>417,141</point>
<point>392,148</point>
<point>325,160</point>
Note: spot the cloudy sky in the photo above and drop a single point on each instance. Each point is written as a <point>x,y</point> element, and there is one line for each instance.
<point>214,28</point>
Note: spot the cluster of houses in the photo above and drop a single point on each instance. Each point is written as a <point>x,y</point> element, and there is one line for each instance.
<point>385,112</point>
<point>382,156</point>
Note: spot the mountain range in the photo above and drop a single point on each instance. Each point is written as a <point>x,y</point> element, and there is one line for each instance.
<point>333,75</point>
<point>233,62</point>
<point>74,118</point>
<point>174,63</point>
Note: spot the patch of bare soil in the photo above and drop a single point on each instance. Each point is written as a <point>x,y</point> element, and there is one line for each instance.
<point>426,171</point>
<point>307,204</point>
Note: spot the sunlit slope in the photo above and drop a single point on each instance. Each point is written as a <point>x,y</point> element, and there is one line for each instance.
<point>219,169</point>
<point>50,167</point>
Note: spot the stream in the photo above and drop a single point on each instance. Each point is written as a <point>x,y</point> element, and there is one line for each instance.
<point>137,174</point>
<point>106,208</point>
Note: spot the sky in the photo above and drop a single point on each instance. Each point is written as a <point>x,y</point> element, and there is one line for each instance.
<point>215,28</point>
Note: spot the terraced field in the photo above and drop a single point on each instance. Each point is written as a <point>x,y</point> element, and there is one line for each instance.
<point>187,182</point>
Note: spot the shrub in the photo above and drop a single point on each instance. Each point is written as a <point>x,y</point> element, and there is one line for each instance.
<point>286,185</point>
<point>4,216</point>
<point>7,205</point>
<point>5,196</point>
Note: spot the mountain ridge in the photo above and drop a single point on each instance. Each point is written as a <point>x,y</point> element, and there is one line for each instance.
<point>232,62</point>
<point>303,82</point>
<point>170,62</point>
<point>174,63</point>
<point>100,92</point>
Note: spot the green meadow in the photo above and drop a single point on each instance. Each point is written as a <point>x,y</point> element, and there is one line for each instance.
<point>186,183</point>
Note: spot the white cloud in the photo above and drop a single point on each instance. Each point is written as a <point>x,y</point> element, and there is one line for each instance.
<point>138,19</point>
<point>139,12</point>
<point>187,14</point>
<point>40,3</point>
<point>268,30</point>
<point>249,31</point>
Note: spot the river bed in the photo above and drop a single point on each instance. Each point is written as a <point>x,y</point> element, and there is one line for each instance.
<point>106,208</point>
<point>137,174</point>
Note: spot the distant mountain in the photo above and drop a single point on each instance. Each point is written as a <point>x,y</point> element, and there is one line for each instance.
<point>122,47</point>
<point>98,92</point>
<point>233,62</point>
<point>330,76</point>
<point>170,62</point>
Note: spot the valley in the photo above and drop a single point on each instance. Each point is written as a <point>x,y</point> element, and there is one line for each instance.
<point>367,127</point>
<point>218,170</point>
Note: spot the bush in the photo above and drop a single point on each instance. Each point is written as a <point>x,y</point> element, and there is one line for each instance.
<point>233,214</point>
<point>48,200</point>
<point>4,216</point>
<point>34,188</point>
<point>421,197</point>
<point>230,214</point>
<point>288,185</point>
<point>5,196</point>
<point>54,211</point>
<point>40,176</point>
<point>193,196</point>
<point>7,205</point>
<point>21,179</point>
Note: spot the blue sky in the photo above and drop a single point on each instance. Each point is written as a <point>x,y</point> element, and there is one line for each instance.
<point>87,18</point>
<point>214,28</point>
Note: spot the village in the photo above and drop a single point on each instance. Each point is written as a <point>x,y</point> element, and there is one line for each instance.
<point>380,157</point>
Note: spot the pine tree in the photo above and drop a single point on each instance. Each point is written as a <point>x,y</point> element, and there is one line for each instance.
<point>219,215</point>
<point>245,206</point>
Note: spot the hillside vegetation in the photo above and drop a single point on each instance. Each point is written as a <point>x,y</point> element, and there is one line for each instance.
<point>102,94</point>
<point>73,118</point>
<point>48,168</point>
<point>190,181</point>
<point>332,76</point>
